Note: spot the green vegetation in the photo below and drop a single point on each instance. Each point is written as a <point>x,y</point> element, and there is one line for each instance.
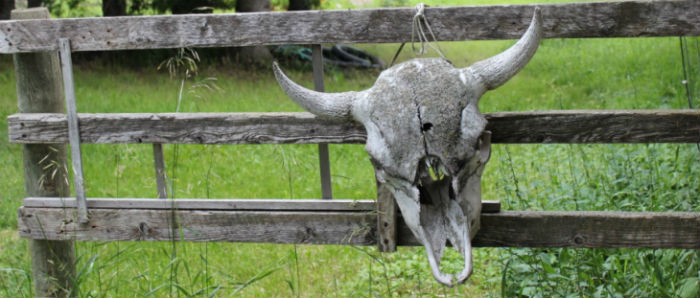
<point>641,73</point>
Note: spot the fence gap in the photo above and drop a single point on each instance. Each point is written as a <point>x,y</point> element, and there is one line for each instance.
<point>323,156</point>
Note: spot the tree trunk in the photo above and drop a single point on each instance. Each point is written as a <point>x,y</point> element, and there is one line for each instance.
<point>299,5</point>
<point>257,55</point>
<point>6,6</point>
<point>252,5</point>
<point>113,8</point>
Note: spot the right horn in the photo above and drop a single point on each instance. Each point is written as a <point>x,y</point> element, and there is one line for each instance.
<point>498,69</point>
<point>327,105</point>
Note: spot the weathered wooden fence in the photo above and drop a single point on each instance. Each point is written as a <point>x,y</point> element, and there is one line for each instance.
<point>53,222</point>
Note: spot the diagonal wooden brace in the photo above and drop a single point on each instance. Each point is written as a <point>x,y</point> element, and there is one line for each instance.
<point>73,131</point>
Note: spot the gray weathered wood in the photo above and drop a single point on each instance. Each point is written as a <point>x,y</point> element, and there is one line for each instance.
<point>53,267</point>
<point>606,126</point>
<point>159,165</point>
<point>223,204</point>
<point>323,154</point>
<point>571,126</point>
<point>596,19</point>
<point>592,229</point>
<point>208,204</point>
<point>73,128</point>
<point>507,228</point>
<point>207,128</point>
<point>323,227</point>
<point>39,90</point>
<point>387,215</point>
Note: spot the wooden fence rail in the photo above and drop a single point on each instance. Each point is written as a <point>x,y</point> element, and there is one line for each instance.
<point>630,126</point>
<point>341,222</point>
<point>570,20</point>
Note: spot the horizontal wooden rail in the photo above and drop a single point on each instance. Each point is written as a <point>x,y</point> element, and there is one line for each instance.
<point>596,19</point>
<point>225,204</point>
<point>625,126</point>
<point>507,228</point>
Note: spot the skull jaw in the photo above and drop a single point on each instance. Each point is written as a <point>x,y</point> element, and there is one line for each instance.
<point>439,221</point>
<point>454,227</point>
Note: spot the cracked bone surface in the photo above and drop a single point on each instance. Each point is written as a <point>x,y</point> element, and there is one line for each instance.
<point>426,139</point>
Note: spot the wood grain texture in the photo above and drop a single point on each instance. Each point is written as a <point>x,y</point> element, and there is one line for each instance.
<point>352,228</point>
<point>572,126</point>
<point>597,19</point>
<point>324,163</point>
<point>39,90</point>
<point>387,214</point>
<point>209,204</point>
<point>591,229</point>
<point>188,128</point>
<point>606,126</point>
<point>159,165</point>
<point>224,204</point>
<point>76,156</point>
<point>504,229</point>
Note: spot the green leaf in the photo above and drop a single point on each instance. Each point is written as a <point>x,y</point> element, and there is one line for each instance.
<point>689,288</point>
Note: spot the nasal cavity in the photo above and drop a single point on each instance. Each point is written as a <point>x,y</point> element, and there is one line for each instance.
<point>426,126</point>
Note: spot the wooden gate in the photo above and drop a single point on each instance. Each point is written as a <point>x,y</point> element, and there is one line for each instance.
<point>45,216</point>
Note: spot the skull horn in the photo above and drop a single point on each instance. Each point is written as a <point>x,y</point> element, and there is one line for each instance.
<point>327,105</point>
<point>495,71</point>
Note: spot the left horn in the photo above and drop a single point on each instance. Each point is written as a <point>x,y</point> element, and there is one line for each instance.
<point>328,105</point>
<point>495,71</point>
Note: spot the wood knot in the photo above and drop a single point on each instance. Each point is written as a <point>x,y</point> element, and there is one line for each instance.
<point>307,235</point>
<point>144,230</point>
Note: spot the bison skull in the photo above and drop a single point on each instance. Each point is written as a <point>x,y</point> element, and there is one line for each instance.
<point>427,139</point>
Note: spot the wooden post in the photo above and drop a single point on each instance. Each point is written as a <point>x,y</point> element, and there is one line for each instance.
<point>323,155</point>
<point>159,163</point>
<point>386,219</point>
<point>39,90</point>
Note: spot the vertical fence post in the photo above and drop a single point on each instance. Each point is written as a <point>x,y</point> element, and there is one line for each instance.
<point>159,163</point>
<point>323,156</point>
<point>386,219</point>
<point>39,90</point>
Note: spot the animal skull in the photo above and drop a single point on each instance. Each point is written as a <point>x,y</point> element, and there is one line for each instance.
<point>427,139</point>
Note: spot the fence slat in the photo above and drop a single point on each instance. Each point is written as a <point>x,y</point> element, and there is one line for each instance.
<point>208,204</point>
<point>225,204</point>
<point>324,162</point>
<point>624,126</point>
<point>585,229</point>
<point>387,219</point>
<point>159,165</point>
<point>596,19</point>
<point>73,128</point>
<point>507,228</point>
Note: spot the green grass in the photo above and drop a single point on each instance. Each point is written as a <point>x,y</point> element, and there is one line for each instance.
<point>565,74</point>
